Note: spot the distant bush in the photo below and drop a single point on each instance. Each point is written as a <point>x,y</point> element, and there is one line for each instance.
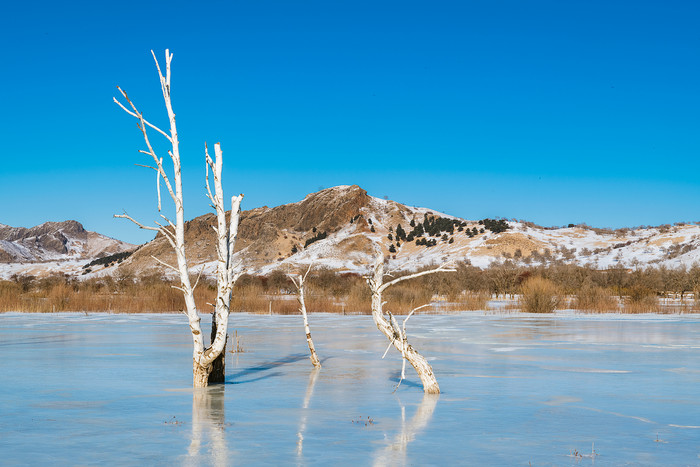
<point>641,299</point>
<point>595,299</point>
<point>400,233</point>
<point>495,226</point>
<point>539,295</point>
<point>315,238</point>
<point>107,261</point>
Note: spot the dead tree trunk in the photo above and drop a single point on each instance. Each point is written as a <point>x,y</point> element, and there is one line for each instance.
<point>299,283</point>
<point>218,366</point>
<point>390,328</point>
<point>174,232</point>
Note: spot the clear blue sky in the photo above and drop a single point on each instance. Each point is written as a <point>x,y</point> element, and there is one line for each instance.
<point>551,111</point>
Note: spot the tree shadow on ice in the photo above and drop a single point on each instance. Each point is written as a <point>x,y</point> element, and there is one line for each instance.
<point>406,382</point>
<point>234,378</point>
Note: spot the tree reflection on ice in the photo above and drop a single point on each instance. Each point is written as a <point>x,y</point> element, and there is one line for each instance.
<point>313,376</point>
<point>208,419</point>
<point>395,453</point>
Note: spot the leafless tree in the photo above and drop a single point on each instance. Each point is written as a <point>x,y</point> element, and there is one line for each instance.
<point>203,358</point>
<point>299,283</point>
<point>390,327</point>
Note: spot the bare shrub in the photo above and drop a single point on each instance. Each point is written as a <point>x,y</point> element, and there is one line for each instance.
<point>539,295</point>
<point>641,299</point>
<point>595,299</point>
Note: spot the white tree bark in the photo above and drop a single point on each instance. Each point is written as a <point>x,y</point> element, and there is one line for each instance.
<point>299,283</point>
<point>175,232</point>
<point>391,330</point>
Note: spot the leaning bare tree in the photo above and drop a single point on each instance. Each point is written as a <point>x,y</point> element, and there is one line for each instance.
<point>390,327</point>
<point>204,359</point>
<point>299,283</point>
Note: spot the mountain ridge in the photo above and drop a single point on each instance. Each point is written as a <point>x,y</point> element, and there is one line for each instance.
<point>343,228</point>
<point>64,243</point>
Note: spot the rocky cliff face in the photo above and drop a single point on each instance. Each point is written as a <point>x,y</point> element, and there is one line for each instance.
<point>266,235</point>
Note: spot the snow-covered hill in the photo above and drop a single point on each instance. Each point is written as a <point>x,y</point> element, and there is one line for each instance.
<point>52,247</point>
<point>342,228</point>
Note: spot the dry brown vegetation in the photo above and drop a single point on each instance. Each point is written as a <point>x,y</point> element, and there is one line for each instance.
<point>539,295</point>
<point>595,299</point>
<point>469,288</point>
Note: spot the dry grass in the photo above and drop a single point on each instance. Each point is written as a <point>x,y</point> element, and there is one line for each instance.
<point>635,291</point>
<point>96,295</point>
<point>466,301</point>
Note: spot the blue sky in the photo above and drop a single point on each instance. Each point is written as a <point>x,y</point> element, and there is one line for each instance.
<point>554,112</point>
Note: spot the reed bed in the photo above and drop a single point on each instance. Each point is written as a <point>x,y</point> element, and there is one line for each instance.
<point>539,288</point>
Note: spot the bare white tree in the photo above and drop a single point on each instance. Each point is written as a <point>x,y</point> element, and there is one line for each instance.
<point>174,232</point>
<point>390,327</point>
<point>299,283</point>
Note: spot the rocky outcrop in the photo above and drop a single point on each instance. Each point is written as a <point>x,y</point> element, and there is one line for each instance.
<point>54,241</point>
<point>267,235</point>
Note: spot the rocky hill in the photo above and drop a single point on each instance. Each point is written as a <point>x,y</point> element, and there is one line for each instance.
<point>340,228</point>
<point>52,246</point>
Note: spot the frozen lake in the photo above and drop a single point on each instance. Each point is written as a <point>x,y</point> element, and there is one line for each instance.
<point>517,389</point>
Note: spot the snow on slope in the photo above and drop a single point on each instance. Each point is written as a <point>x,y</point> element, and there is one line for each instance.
<point>669,246</point>
<point>350,245</point>
<point>52,247</point>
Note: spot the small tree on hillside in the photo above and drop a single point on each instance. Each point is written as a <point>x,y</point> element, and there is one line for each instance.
<point>208,363</point>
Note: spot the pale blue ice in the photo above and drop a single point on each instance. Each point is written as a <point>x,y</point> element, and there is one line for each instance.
<point>517,390</point>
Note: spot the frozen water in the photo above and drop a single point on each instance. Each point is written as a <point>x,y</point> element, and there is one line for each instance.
<point>517,389</point>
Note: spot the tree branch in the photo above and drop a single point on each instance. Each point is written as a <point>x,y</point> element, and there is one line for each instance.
<point>166,264</point>
<point>145,227</point>
<point>137,115</point>
<point>441,268</point>
<point>198,277</point>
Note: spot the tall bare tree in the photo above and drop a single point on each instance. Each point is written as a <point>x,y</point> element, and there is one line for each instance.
<point>390,327</point>
<point>203,358</point>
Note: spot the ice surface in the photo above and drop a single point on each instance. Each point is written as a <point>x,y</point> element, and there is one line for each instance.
<point>115,389</point>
